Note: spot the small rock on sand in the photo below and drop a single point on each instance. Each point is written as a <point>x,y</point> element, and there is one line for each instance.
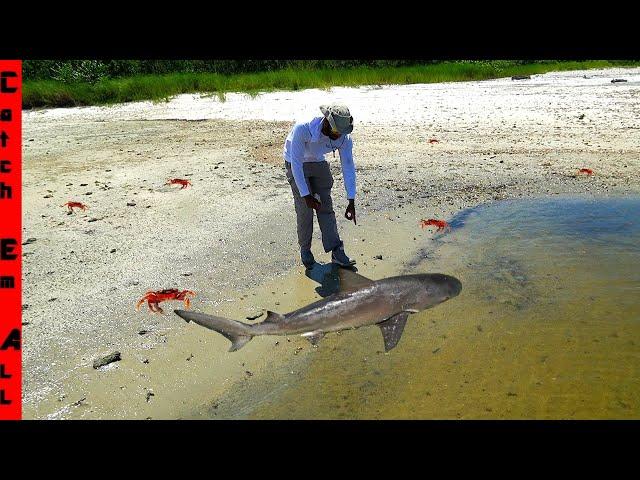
<point>618,80</point>
<point>378,257</point>
<point>521,77</point>
<point>131,204</point>
<point>29,240</point>
<point>101,362</point>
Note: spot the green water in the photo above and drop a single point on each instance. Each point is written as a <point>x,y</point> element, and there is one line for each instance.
<point>547,326</point>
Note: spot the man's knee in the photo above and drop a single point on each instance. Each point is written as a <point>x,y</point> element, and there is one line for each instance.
<point>326,204</point>
<point>326,210</point>
<point>304,214</point>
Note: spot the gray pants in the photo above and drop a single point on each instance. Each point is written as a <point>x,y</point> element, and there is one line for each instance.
<point>319,180</point>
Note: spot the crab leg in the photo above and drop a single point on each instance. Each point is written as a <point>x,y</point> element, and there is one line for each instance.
<point>159,310</point>
<point>140,303</point>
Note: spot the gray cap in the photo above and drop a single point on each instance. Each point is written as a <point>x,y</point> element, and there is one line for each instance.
<point>339,117</point>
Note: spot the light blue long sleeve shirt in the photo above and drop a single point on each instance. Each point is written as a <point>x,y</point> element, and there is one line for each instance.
<point>307,143</point>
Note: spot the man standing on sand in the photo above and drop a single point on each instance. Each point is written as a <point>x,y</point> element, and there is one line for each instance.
<point>310,178</point>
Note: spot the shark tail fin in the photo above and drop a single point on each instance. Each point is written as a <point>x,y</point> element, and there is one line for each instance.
<point>237,333</point>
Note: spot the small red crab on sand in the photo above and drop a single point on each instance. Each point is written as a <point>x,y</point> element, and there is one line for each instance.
<point>179,181</point>
<point>153,298</point>
<point>72,205</point>
<point>434,140</point>
<point>585,171</point>
<point>441,224</point>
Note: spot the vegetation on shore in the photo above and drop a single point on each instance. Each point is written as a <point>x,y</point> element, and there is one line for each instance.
<point>92,82</point>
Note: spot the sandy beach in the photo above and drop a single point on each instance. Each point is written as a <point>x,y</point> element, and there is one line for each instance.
<point>231,236</point>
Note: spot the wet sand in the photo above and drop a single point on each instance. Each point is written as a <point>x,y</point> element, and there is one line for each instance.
<point>231,237</point>
<point>546,327</point>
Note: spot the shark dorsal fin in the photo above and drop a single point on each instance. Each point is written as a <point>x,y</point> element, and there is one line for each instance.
<point>273,317</point>
<point>350,280</point>
<point>392,329</point>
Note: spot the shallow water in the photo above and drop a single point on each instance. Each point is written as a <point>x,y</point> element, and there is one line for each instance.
<point>547,326</point>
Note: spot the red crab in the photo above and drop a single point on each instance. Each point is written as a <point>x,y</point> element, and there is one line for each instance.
<point>153,298</point>
<point>72,205</point>
<point>586,171</point>
<point>441,224</point>
<point>179,181</point>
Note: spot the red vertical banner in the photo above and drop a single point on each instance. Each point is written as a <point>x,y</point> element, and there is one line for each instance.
<point>10,239</point>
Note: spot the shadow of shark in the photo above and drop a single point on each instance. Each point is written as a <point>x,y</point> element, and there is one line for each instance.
<point>357,302</point>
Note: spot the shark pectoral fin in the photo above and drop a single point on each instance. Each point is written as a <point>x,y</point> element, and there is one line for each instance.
<point>274,317</point>
<point>392,329</point>
<point>314,337</point>
<point>410,310</point>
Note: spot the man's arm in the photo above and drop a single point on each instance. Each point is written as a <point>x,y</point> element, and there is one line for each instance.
<point>300,136</point>
<point>349,176</point>
<point>348,168</point>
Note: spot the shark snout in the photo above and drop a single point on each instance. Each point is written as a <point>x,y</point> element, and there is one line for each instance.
<point>455,287</point>
<point>438,288</point>
<point>449,286</point>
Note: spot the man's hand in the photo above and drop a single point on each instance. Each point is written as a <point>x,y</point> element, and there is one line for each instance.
<point>350,212</point>
<point>312,202</point>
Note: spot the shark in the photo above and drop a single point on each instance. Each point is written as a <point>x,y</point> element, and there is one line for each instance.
<point>358,302</point>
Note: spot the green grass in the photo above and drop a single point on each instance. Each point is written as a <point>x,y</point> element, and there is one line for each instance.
<point>52,93</point>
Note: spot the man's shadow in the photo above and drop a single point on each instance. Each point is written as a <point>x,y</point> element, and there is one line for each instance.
<point>328,276</point>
